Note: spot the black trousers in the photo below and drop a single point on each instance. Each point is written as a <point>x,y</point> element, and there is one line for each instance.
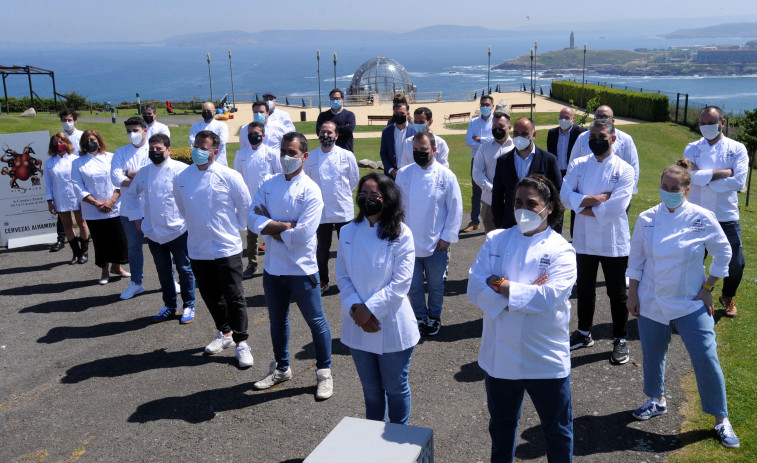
<point>324,235</point>
<point>220,285</point>
<point>61,231</point>
<point>614,269</point>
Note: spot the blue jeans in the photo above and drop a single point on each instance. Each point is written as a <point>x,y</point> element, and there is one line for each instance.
<point>551,398</point>
<point>698,335</point>
<point>385,384</point>
<point>432,269</point>
<point>731,283</point>
<point>475,205</point>
<point>307,294</point>
<point>134,241</point>
<point>161,254</point>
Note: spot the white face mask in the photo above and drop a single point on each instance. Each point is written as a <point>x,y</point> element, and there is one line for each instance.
<point>522,143</point>
<point>290,164</point>
<point>68,126</point>
<point>710,131</point>
<point>528,221</point>
<point>269,104</point>
<point>565,124</point>
<point>136,138</point>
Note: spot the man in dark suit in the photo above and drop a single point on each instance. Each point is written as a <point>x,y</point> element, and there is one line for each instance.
<point>393,139</point>
<point>524,160</point>
<point>560,140</point>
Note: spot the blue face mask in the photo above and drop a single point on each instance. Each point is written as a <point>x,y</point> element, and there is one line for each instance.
<point>200,156</point>
<point>670,199</point>
<point>419,127</point>
<point>486,110</point>
<point>258,117</point>
<point>336,104</point>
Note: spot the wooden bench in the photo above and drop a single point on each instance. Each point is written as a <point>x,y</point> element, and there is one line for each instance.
<point>372,119</point>
<point>523,106</point>
<point>448,119</point>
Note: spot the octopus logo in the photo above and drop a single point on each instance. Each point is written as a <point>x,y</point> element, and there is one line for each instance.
<point>22,167</point>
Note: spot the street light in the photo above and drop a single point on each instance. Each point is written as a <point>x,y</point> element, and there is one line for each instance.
<point>489,67</point>
<point>583,78</point>
<point>536,46</point>
<point>334,69</point>
<point>231,71</point>
<point>532,84</point>
<point>318,57</point>
<point>210,78</point>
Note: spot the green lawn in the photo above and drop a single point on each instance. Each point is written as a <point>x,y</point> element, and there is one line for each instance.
<point>308,128</point>
<point>539,119</point>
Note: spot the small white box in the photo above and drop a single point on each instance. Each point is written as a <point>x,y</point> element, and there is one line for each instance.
<point>366,441</point>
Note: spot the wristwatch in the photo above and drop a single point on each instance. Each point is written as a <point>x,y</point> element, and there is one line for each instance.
<point>708,287</point>
<point>496,283</point>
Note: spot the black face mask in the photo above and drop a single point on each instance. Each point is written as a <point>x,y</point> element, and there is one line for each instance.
<point>421,157</point>
<point>207,116</point>
<point>148,119</point>
<point>599,147</point>
<point>327,142</point>
<point>368,206</point>
<point>156,156</point>
<point>254,139</point>
<point>499,133</point>
<point>92,146</point>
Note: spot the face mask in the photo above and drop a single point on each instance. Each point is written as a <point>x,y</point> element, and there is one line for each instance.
<point>200,156</point>
<point>336,104</point>
<point>207,116</point>
<point>499,133</point>
<point>156,157</point>
<point>92,146</point>
<point>486,110</point>
<point>68,126</point>
<point>565,124</point>
<point>259,117</point>
<point>327,142</point>
<point>254,139</point>
<point>62,148</point>
<point>711,131</point>
<point>419,127</point>
<point>369,206</point>
<point>522,143</point>
<point>136,138</point>
<point>670,199</point>
<point>528,221</point>
<point>290,164</point>
<point>599,147</point>
<point>421,157</point>
<point>269,104</point>
<point>149,119</point>
<point>399,119</point>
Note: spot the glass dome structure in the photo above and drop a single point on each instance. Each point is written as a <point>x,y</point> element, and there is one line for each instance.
<point>380,78</point>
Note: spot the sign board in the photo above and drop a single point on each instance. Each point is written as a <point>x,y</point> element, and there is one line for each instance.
<point>24,216</point>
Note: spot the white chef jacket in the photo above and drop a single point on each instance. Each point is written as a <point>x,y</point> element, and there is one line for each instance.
<point>667,255</point>
<point>75,139</point>
<point>336,174</point>
<point>257,165</point>
<point>214,203</point>
<point>58,185</point>
<point>157,127</point>
<point>162,222</point>
<point>376,272</point>
<point>441,156</point>
<point>217,127</point>
<point>478,127</point>
<point>283,119</point>
<point>128,157</point>
<point>719,196</point>
<point>624,148</point>
<point>432,204</point>
<point>91,176</point>
<point>607,233</point>
<point>526,335</point>
<point>485,163</point>
<point>273,134</point>
<point>296,200</point>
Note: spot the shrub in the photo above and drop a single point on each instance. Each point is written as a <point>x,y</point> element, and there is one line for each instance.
<point>651,107</point>
<point>183,154</point>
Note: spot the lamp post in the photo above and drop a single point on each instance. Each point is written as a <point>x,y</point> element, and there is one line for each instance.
<point>489,67</point>
<point>536,46</point>
<point>231,72</point>
<point>210,78</point>
<point>334,69</point>
<point>532,84</point>
<point>583,78</point>
<point>318,58</point>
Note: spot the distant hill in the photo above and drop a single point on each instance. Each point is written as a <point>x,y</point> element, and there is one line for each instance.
<point>573,59</point>
<point>735,30</point>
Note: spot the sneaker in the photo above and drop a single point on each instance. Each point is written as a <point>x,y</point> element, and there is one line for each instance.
<point>103,281</point>
<point>261,248</point>
<point>164,314</point>
<point>470,227</point>
<point>650,409</point>
<point>273,377</point>
<point>244,355</point>
<point>729,306</point>
<point>187,316</point>
<point>578,340</point>
<point>619,354</point>
<point>249,272</point>
<point>220,343</point>
<point>433,325</point>
<point>132,290</point>
<point>325,384</point>
<point>176,287</point>
<point>422,322</point>
<point>727,436</point>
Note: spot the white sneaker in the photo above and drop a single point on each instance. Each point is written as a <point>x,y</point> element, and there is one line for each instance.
<point>325,387</point>
<point>244,355</point>
<point>220,343</point>
<point>273,377</point>
<point>177,287</point>
<point>132,290</point>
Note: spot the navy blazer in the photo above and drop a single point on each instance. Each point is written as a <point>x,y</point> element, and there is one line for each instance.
<point>388,156</point>
<point>554,134</point>
<point>506,177</point>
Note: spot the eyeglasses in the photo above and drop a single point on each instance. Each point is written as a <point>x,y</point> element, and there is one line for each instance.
<point>372,196</point>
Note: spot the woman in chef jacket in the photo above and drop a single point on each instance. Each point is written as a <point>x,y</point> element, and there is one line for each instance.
<point>61,197</point>
<point>521,280</point>
<point>374,269</point>
<point>90,173</point>
<point>668,283</point>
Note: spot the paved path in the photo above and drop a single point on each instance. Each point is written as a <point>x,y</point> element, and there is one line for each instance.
<point>81,370</point>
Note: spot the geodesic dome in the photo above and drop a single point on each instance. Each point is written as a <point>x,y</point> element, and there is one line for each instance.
<point>381,77</point>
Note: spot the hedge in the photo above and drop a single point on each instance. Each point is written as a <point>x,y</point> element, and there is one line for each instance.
<point>652,107</point>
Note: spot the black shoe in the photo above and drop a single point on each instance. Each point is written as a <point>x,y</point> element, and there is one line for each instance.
<point>57,246</point>
<point>84,255</point>
<point>76,249</point>
<point>619,354</point>
<point>433,325</point>
<point>249,272</point>
<point>578,340</point>
<point>422,325</point>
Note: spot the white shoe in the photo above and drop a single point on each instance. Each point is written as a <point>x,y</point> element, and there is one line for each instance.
<point>244,355</point>
<point>132,290</point>
<point>325,386</point>
<point>220,343</point>
<point>273,377</point>
<point>177,287</point>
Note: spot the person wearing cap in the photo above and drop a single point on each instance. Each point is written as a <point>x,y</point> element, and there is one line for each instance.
<point>209,122</point>
<point>149,113</point>
<point>273,130</point>
<point>277,115</point>
<point>343,118</point>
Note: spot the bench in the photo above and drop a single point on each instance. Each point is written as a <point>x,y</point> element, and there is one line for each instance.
<point>448,119</point>
<point>372,119</point>
<point>523,106</point>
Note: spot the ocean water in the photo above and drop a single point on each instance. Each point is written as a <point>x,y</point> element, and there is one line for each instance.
<point>453,67</point>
